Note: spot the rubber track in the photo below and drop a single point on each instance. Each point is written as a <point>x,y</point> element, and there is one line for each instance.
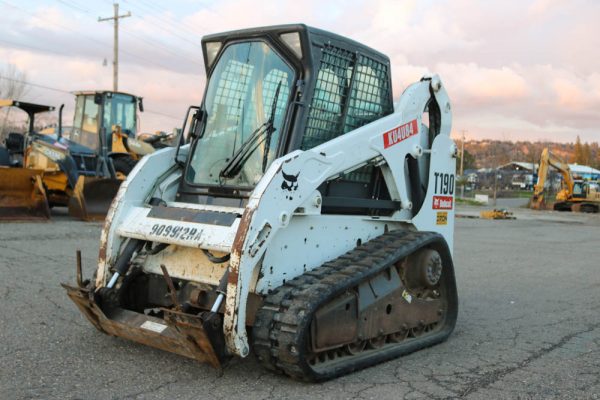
<point>283,320</point>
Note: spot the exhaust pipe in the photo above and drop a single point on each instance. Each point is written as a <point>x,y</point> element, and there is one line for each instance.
<point>60,111</point>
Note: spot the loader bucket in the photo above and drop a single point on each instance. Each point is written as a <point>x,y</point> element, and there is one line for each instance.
<point>22,194</point>
<point>92,197</point>
<point>180,333</point>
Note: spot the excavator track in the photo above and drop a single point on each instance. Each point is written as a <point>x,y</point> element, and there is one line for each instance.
<point>404,319</point>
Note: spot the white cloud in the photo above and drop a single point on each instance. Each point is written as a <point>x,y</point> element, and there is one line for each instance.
<point>49,18</point>
<point>527,69</point>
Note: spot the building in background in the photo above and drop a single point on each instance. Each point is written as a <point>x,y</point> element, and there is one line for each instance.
<point>584,172</point>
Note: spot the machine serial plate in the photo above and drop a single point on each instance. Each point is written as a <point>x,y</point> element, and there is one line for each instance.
<point>153,326</point>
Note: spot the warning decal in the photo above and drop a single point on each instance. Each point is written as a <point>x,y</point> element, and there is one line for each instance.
<point>441,218</point>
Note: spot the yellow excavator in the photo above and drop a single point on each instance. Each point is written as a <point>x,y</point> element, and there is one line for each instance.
<point>82,168</point>
<point>575,194</point>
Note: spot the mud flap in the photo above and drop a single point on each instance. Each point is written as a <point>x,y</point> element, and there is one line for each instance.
<point>22,194</point>
<point>92,197</point>
<point>178,332</point>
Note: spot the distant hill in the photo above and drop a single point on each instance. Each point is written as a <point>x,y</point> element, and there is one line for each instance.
<point>490,153</point>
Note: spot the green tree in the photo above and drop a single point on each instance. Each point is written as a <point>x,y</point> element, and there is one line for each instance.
<point>587,154</point>
<point>470,161</point>
<point>579,156</point>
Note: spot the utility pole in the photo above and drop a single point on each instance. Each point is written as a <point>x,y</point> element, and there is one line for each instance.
<point>115,18</point>
<point>462,164</point>
<point>495,176</point>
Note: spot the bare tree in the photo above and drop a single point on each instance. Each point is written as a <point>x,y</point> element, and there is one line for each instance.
<point>12,86</point>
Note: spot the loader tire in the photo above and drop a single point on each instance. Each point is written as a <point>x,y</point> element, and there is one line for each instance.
<point>4,157</point>
<point>124,166</point>
<point>412,309</point>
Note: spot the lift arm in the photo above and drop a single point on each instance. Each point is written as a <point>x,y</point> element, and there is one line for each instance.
<point>290,184</point>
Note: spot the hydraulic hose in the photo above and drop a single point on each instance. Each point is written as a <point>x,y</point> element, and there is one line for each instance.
<point>214,259</point>
<point>221,290</point>
<point>123,262</point>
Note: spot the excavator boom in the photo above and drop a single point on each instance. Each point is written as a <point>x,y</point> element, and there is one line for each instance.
<point>547,160</point>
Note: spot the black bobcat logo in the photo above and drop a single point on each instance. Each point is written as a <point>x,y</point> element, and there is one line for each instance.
<point>290,182</point>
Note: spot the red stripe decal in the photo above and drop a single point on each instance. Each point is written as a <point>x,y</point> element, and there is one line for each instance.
<point>400,133</point>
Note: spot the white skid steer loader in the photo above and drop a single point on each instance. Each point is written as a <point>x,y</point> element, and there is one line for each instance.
<point>301,217</point>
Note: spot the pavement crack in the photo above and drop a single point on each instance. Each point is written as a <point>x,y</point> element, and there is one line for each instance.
<point>149,390</point>
<point>489,378</point>
<point>358,393</point>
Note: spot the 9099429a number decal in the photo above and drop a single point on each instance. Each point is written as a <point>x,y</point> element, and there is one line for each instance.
<point>176,232</point>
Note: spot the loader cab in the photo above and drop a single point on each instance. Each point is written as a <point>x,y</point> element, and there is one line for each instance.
<point>96,112</point>
<point>15,144</point>
<point>271,91</point>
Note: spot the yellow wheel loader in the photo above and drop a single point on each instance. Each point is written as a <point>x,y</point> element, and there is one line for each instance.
<point>303,218</point>
<point>83,168</point>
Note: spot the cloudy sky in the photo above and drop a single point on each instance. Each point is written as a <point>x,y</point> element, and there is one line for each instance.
<point>515,70</point>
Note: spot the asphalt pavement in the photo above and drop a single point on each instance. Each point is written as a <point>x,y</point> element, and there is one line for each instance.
<point>528,326</point>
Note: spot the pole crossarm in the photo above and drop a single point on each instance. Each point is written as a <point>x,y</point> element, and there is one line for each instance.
<point>115,18</point>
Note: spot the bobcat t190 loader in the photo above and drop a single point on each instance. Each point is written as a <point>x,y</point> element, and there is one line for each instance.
<point>303,218</point>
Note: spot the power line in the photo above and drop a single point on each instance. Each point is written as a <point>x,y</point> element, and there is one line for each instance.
<point>69,92</point>
<point>85,36</point>
<point>73,6</point>
<point>167,26</point>
<point>162,114</point>
<point>46,22</point>
<point>52,51</point>
<point>35,85</point>
<point>152,7</point>
<point>30,47</point>
<point>162,46</point>
<point>165,17</point>
<point>167,29</point>
<point>141,38</point>
<point>188,27</point>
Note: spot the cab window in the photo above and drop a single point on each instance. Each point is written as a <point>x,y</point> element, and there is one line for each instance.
<point>85,123</point>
